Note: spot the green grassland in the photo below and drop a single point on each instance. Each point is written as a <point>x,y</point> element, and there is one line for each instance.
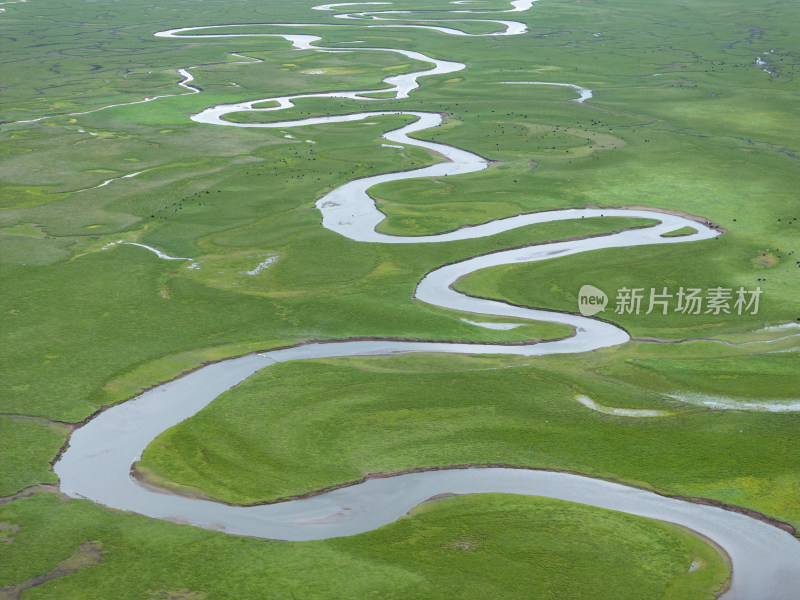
<point>452,548</point>
<point>682,118</point>
<point>706,265</point>
<point>27,448</point>
<point>299,426</point>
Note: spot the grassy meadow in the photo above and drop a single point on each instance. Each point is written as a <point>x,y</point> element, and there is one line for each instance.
<point>683,118</point>
<point>300,426</point>
<point>457,547</point>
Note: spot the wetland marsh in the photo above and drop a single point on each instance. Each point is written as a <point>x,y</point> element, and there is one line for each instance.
<point>284,206</point>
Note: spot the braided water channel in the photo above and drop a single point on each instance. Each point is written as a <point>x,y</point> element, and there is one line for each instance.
<point>97,464</point>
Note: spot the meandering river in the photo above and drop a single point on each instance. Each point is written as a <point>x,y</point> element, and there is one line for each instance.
<point>765,559</point>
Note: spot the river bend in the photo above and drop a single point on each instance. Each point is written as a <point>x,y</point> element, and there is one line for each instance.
<point>97,464</point>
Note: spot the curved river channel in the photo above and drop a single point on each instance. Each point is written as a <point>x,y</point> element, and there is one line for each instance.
<point>97,464</point>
